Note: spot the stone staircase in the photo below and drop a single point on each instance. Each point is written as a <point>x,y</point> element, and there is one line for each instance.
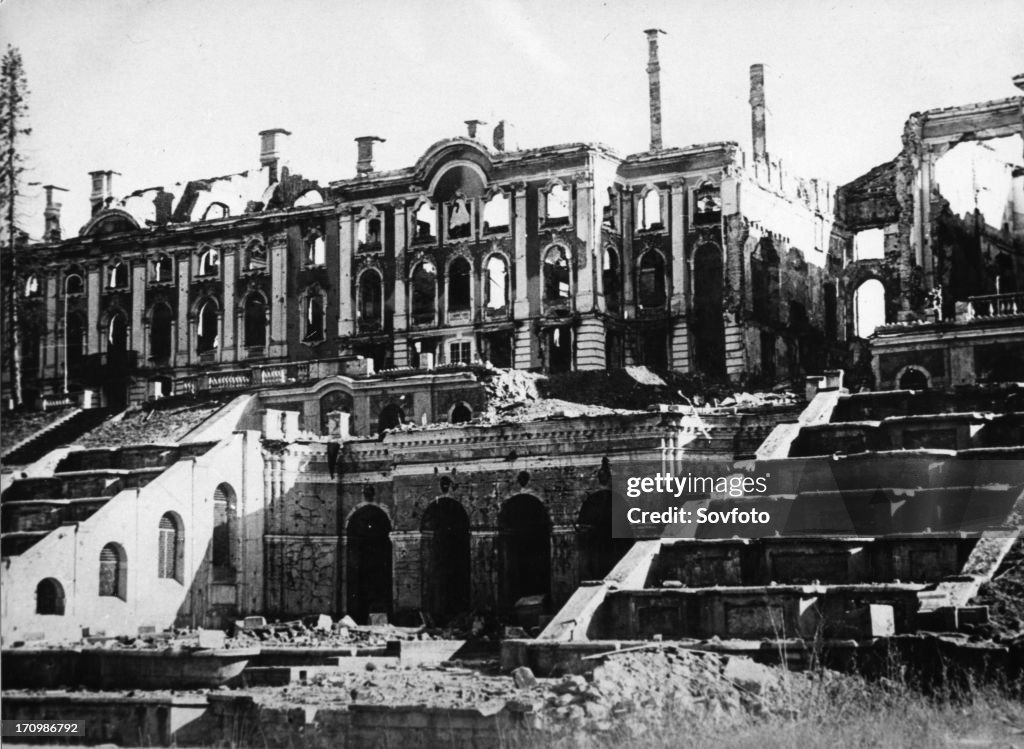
<point>61,432</point>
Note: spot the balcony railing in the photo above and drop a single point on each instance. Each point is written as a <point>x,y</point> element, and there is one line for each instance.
<point>269,374</point>
<point>996,305</point>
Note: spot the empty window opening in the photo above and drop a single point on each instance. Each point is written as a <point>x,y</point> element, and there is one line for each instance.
<point>461,414</point>
<point>498,349</point>
<point>223,545</point>
<point>316,253</point>
<point>32,286</point>
<point>459,278</point>
<point>163,269</point>
<point>707,205</point>
<point>446,547</point>
<point>497,283</point>
<point>161,326</point>
<point>460,352</point>
<point>50,597</point>
<point>310,197</point>
<point>368,233</point>
<point>391,417</point>
<point>559,350</point>
<point>371,293</point>
<point>256,257</point>
<point>768,355</point>
<point>117,332</point>
<point>831,313</point>
<point>424,222</point>
<point>650,210</point>
<point>764,271</point>
<point>460,221</point>
<point>609,214</point>
<point>869,244</point>
<point>557,204</point>
<point>913,379</point>
<point>424,294</point>
<point>209,263</point>
<point>314,319</point>
<point>207,327</point>
<point>707,327</point>
<point>611,278</point>
<point>117,277</point>
<point>556,275</point>
<point>654,348</point>
<point>524,536</point>
<point>255,324</point>
<point>113,572</point>
<point>422,353</point>
<point>170,547</point>
<point>496,214</point>
<point>869,306</point>
<point>598,551</point>
<point>651,280</point>
<point>73,284</point>
<point>368,563</point>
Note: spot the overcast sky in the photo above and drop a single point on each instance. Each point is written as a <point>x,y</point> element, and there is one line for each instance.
<point>169,90</point>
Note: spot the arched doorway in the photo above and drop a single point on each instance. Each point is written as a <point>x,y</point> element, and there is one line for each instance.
<point>524,531</point>
<point>913,379</point>
<point>869,307</point>
<point>391,417</point>
<point>445,529</point>
<point>598,552</point>
<point>708,329</point>
<point>368,563</point>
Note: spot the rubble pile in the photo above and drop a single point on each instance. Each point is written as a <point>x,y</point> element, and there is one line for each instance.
<point>140,426</point>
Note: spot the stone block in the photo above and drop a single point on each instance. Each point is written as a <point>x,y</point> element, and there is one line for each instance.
<point>254,622</point>
<point>211,638</point>
<point>524,678</point>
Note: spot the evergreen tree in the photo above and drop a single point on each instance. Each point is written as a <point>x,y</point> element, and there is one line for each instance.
<point>13,131</point>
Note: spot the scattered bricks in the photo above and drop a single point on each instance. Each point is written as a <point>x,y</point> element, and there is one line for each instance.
<point>211,639</point>
<point>570,684</point>
<point>524,678</point>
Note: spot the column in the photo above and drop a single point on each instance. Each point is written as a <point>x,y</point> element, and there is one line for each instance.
<point>400,317</point>
<point>93,289</point>
<point>346,308</point>
<point>53,338</point>
<point>138,341</point>
<point>278,261</point>
<point>229,337</point>
<point>680,289</point>
<point>183,351</point>
<point>525,340</point>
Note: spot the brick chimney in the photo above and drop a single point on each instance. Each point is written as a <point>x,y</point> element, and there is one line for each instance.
<point>471,127</point>
<point>759,114</point>
<point>162,205</point>
<point>364,162</point>
<point>51,215</point>
<point>102,190</point>
<point>272,144</point>
<point>654,86</point>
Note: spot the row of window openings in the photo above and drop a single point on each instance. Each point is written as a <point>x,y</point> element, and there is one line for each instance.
<point>113,568</point>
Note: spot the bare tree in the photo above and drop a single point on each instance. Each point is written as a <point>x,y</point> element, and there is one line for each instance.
<point>13,131</point>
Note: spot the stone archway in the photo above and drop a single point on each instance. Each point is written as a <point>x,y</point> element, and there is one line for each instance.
<point>524,532</point>
<point>368,563</point>
<point>445,528</point>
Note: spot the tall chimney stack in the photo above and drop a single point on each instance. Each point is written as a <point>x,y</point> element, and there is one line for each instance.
<point>654,86</point>
<point>102,189</point>
<point>759,113</point>
<point>51,215</point>
<point>364,161</point>
<point>272,150</point>
<point>471,127</point>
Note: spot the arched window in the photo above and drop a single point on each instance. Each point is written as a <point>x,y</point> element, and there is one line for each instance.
<point>460,221</point>
<point>161,325</point>
<point>314,318</point>
<point>424,294</point>
<point>113,572</point>
<point>315,249</point>
<point>650,210</point>
<point>255,322</point>
<point>209,263</point>
<point>611,276</point>
<point>50,597</point>
<point>117,276</point>
<point>391,417</point>
<point>117,332</point>
<point>651,280</point>
<point>371,293</point>
<point>368,233</point>
<point>461,414</point>
<point>557,203</point>
<point>424,222</point>
<point>556,275</point>
<point>163,269</point>
<point>215,211</point>
<point>32,286</point>
<point>707,204</point>
<point>310,197</point>
<point>73,284</point>
<point>256,256</point>
<point>914,378</point>
<point>207,327</point>
<point>869,303</point>
<point>459,295</point>
<point>497,283</point>
<point>609,214</point>
<point>222,546</point>
<point>170,554</point>
<point>496,214</point>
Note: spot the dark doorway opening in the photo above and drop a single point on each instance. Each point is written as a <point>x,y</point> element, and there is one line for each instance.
<point>524,531</point>
<point>708,327</point>
<point>368,563</point>
<point>598,551</point>
<point>445,529</point>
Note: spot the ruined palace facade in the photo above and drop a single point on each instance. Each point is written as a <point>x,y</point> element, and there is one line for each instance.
<point>704,258</point>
